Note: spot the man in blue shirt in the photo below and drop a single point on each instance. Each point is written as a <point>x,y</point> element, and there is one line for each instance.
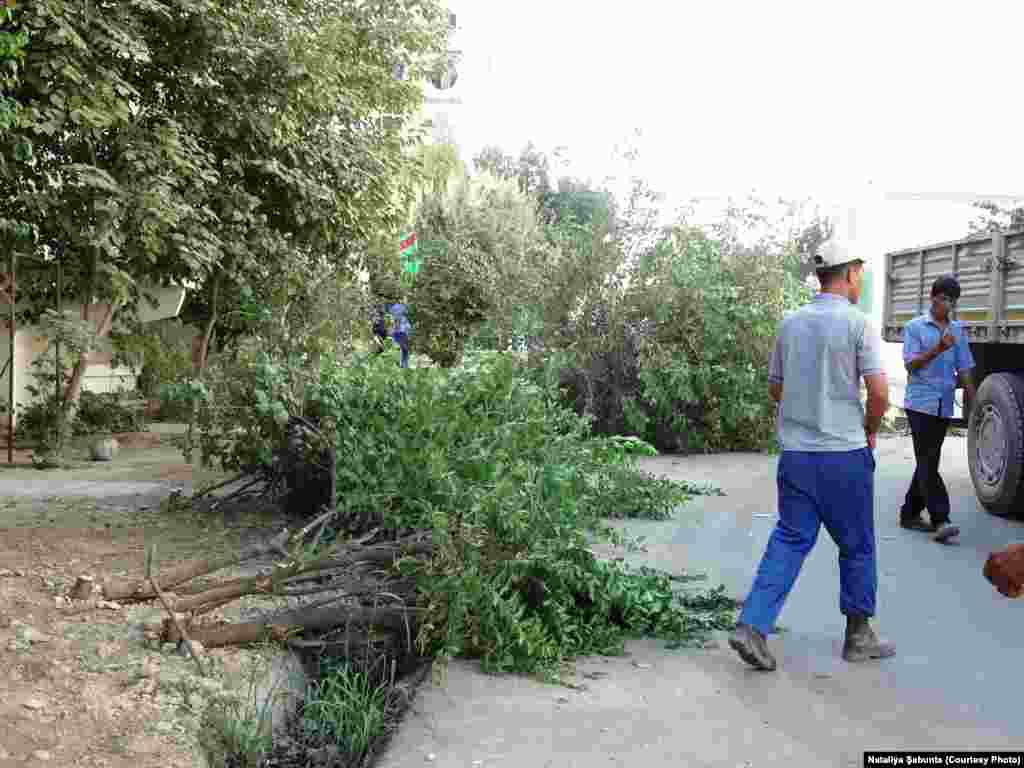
<point>936,354</point>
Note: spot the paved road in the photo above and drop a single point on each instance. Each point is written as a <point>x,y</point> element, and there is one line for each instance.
<point>960,643</point>
<point>956,682</point>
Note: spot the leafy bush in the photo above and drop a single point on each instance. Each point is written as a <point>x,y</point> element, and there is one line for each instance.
<point>662,332</point>
<point>96,414</point>
<point>161,352</point>
<point>673,348</point>
<point>106,413</point>
<point>37,423</point>
<point>714,320</point>
<point>511,485</point>
<point>46,421</point>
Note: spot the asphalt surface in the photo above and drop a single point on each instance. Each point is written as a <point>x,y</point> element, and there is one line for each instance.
<point>959,643</point>
<point>955,684</point>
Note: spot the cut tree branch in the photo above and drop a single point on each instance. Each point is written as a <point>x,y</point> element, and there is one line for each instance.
<point>134,589</point>
<point>279,627</point>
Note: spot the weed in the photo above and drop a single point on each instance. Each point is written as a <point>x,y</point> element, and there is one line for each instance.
<point>347,707</point>
<point>238,724</point>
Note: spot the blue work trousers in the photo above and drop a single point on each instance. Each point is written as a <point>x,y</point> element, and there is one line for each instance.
<point>837,490</point>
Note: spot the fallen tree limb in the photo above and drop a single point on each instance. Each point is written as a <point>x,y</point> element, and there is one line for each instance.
<point>376,554</point>
<point>218,486</point>
<point>235,494</point>
<point>254,585</point>
<point>125,589</point>
<point>281,581</point>
<point>279,627</point>
<point>244,633</point>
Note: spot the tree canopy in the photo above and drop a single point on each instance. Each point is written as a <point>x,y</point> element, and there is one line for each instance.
<point>200,142</point>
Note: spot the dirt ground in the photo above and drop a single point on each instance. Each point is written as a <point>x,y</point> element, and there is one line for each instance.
<point>78,685</point>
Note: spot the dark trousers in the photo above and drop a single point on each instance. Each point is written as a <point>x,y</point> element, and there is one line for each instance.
<point>927,489</point>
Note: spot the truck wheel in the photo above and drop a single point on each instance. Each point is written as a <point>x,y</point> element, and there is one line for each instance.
<point>995,442</point>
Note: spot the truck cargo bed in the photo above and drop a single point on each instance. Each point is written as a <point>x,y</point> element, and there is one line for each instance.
<point>991,273</point>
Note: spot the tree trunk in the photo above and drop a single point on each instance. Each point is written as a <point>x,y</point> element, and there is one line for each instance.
<point>74,387</point>
<point>204,346</point>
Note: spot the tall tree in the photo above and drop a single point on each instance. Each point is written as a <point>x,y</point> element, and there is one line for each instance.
<point>13,39</point>
<point>197,141</point>
<point>996,218</point>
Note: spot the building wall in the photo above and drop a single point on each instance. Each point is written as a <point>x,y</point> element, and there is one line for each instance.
<point>27,346</point>
<point>443,104</point>
<point>100,376</point>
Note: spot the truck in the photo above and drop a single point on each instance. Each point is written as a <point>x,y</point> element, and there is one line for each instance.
<point>990,269</point>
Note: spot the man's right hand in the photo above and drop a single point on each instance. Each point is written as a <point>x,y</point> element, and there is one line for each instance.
<point>947,341</point>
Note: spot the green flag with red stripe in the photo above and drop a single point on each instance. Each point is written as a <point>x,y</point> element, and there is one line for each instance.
<point>409,250</point>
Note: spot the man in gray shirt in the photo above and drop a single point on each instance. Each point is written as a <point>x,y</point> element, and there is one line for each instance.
<point>826,469</point>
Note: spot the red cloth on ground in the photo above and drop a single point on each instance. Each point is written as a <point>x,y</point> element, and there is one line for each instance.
<point>1005,570</point>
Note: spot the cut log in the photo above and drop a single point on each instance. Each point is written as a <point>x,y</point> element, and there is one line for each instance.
<point>279,627</point>
<point>256,585</point>
<point>281,583</point>
<point>1005,570</point>
<point>221,635</point>
<point>376,555</point>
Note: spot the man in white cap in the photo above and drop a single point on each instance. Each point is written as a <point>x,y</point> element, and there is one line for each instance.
<point>826,468</point>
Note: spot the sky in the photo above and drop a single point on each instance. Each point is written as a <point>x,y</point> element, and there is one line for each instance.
<point>728,94</point>
<point>855,104</point>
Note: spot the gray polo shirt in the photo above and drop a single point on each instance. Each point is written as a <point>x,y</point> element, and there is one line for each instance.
<point>822,352</point>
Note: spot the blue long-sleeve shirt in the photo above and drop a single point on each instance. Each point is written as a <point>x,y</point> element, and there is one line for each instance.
<point>930,388</point>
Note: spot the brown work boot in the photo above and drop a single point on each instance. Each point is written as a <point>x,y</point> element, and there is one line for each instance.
<point>752,647</point>
<point>861,642</point>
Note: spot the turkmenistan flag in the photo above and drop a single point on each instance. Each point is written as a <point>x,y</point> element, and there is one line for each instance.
<point>409,250</point>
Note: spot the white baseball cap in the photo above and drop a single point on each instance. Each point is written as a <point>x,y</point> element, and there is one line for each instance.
<point>833,254</point>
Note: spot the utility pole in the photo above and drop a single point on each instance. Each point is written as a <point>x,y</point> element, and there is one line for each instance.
<point>10,372</point>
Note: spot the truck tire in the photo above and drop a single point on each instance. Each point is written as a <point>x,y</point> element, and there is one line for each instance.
<point>995,442</point>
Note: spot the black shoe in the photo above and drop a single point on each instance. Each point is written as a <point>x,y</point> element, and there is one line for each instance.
<point>944,532</point>
<point>752,648</point>
<point>862,644</point>
<point>916,524</point>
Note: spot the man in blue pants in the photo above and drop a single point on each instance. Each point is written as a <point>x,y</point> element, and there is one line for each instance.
<point>401,332</point>
<point>826,469</point>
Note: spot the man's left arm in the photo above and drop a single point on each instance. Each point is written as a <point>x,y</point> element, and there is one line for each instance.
<point>775,368</point>
<point>872,369</point>
<point>965,369</point>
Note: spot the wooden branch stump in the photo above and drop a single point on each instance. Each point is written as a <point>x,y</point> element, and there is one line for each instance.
<point>82,590</point>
